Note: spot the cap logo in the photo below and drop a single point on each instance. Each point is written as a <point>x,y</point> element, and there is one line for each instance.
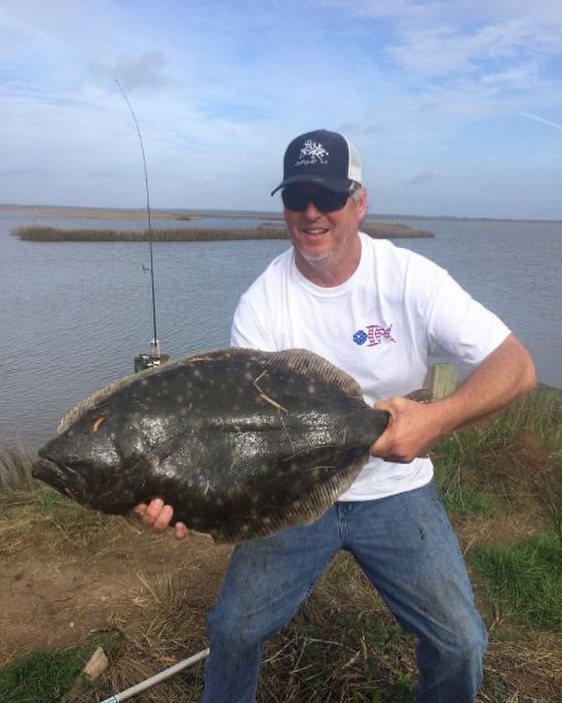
<point>312,153</point>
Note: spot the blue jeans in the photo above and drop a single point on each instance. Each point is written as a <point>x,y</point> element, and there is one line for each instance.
<point>408,550</point>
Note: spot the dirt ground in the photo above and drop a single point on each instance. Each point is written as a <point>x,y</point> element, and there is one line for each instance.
<point>58,587</point>
<point>55,597</point>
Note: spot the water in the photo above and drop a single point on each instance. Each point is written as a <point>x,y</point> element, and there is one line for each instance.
<point>74,315</point>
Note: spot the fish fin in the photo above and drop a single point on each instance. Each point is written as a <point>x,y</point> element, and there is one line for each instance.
<point>98,397</point>
<point>316,368</point>
<point>311,365</point>
<point>304,510</point>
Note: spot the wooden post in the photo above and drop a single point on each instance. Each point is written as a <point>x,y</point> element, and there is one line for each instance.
<point>441,380</point>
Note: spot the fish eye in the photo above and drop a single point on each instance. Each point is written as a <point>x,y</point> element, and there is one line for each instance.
<point>98,423</point>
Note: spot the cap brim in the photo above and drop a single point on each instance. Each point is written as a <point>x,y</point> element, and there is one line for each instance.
<point>339,185</point>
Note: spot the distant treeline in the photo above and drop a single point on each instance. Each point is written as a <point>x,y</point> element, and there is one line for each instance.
<point>39,233</point>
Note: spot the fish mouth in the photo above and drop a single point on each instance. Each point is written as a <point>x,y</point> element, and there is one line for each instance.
<point>43,469</point>
<point>51,473</point>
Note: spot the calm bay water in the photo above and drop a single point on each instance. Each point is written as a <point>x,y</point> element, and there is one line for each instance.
<point>74,315</point>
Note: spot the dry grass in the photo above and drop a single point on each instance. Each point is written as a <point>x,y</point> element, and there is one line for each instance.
<point>343,646</point>
<point>15,468</point>
<point>511,463</point>
<point>339,649</point>
<point>523,657</point>
<point>162,623</point>
<point>44,521</point>
<point>36,233</point>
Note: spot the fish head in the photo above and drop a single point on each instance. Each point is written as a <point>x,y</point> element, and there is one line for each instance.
<point>87,463</point>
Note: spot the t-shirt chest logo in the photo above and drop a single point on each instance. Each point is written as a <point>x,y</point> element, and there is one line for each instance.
<point>373,335</point>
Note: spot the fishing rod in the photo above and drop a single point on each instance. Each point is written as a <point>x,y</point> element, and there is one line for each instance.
<point>170,671</point>
<point>155,358</point>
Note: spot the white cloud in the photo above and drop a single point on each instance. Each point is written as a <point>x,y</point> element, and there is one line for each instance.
<point>219,88</point>
<point>146,70</point>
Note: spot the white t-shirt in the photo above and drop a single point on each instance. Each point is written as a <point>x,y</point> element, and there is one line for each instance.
<point>380,326</point>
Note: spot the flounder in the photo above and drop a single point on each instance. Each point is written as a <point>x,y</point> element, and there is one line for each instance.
<point>241,443</point>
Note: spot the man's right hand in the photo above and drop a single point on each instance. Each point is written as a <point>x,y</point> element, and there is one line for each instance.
<point>157,515</point>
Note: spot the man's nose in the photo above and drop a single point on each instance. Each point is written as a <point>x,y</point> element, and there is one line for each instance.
<point>311,211</point>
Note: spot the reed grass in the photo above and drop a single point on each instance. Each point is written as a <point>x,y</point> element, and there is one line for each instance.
<point>15,467</point>
<point>39,233</point>
<point>180,234</point>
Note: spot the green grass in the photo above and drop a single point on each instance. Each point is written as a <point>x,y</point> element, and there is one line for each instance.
<point>63,511</point>
<point>511,467</point>
<point>459,496</point>
<point>526,579</point>
<point>51,674</point>
<point>479,469</point>
<point>46,676</point>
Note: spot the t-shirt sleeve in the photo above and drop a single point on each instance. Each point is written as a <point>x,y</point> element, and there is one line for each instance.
<point>458,326</point>
<point>248,329</point>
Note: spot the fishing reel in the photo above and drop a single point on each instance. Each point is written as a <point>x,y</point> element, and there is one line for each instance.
<point>149,361</point>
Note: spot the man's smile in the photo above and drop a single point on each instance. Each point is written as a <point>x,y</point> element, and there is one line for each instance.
<point>314,230</point>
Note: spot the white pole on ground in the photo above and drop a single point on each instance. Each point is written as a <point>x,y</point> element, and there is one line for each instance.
<point>157,678</point>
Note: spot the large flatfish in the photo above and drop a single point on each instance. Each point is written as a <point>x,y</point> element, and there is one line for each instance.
<point>240,442</point>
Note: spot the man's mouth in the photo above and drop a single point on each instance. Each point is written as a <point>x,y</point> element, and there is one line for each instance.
<point>315,230</point>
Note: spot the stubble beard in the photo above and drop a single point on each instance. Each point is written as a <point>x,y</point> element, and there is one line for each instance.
<point>330,268</point>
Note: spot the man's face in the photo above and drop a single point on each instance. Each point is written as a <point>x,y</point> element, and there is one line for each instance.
<point>320,237</point>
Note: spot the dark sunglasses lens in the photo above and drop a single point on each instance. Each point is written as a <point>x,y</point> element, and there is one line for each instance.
<point>323,200</point>
<point>295,200</point>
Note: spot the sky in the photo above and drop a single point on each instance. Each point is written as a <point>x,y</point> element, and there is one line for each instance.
<point>454,105</point>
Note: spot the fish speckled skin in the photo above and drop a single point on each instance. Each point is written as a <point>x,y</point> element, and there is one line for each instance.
<point>240,442</point>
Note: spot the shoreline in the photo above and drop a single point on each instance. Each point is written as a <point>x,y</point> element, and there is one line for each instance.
<point>271,226</point>
<point>178,213</point>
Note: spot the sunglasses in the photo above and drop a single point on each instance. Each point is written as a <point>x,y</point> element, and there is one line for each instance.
<point>324,200</point>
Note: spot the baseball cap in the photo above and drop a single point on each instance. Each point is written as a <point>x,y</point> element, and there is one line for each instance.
<point>324,158</point>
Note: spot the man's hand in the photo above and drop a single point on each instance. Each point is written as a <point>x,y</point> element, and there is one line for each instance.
<point>158,515</point>
<point>505,374</point>
<point>411,429</point>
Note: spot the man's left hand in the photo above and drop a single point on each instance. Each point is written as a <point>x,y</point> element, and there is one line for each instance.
<point>411,429</point>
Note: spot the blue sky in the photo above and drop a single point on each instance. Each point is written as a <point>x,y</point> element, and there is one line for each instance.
<point>455,105</point>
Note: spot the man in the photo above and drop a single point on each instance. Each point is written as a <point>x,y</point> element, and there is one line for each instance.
<point>379,312</point>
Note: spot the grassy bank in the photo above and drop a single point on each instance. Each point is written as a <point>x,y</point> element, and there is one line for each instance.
<point>501,481</point>
<point>37,233</point>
